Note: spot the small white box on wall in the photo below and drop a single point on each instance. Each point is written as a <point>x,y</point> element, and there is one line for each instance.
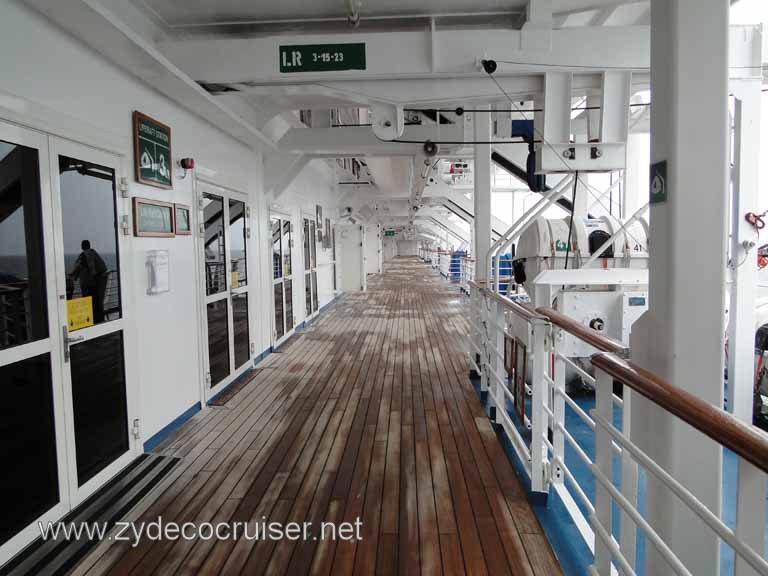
<point>158,271</point>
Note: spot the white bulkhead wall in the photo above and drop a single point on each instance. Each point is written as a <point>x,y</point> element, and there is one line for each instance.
<point>78,87</point>
<point>373,249</point>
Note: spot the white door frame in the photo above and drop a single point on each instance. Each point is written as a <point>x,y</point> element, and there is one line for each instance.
<point>59,146</point>
<point>308,271</point>
<point>70,494</point>
<point>226,194</point>
<point>32,139</point>
<point>287,333</point>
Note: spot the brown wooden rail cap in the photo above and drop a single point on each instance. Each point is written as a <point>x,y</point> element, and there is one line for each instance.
<point>741,438</point>
<point>519,308</point>
<point>585,333</point>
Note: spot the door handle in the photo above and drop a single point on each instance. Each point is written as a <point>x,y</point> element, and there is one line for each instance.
<point>69,341</point>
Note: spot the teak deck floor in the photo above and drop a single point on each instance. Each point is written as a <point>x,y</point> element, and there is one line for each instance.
<point>369,414</point>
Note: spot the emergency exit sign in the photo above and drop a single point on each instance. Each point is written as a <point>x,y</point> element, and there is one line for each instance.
<point>389,232</point>
<point>322,57</point>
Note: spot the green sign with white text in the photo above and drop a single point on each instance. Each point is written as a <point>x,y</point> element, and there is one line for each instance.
<point>152,151</point>
<point>389,232</point>
<point>322,57</point>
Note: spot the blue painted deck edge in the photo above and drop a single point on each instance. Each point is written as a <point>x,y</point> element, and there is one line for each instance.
<point>163,433</point>
<point>238,379</point>
<point>563,535</point>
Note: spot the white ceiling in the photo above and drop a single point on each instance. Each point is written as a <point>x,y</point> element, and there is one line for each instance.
<point>184,13</point>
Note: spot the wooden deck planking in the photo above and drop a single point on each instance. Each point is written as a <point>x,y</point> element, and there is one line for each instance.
<point>367,414</point>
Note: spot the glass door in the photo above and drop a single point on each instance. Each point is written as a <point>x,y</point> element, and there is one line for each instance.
<point>88,245</point>
<point>34,483</point>
<point>310,267</point>
<point>282,278</point>
<point>225,231</point>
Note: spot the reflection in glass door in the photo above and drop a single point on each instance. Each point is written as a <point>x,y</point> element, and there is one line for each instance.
<point>225,233</point>
<point>282,277</point>
<point>91,307</point>
<point>34,482</point>
<point>310,267</point>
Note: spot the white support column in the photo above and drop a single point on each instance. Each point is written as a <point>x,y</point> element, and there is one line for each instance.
<point>680,338</point>
<point>750,519</point>
<point>482,194</point>
<point>743,266</point>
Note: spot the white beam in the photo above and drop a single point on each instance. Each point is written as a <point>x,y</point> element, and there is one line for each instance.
<point>111,36</point>
<point>361,141</point>
<point>281,170</point>
<point>408,54</point>
<point>482,196</point>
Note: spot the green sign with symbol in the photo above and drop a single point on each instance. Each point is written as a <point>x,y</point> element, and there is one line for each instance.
<point>561,246</point>
<point>389,232</point>
<point>322,57</point>
<point>658,182</point>
<point>152,151</point>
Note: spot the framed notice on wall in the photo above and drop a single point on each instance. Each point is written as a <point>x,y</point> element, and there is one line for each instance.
<point>152,151</point>
<point>182,224</point>
<point>152,218</point>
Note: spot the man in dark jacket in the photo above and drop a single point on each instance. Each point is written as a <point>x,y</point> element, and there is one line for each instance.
<point>92,274</point>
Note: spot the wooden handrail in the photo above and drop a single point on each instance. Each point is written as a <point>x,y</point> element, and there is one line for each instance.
<point>521,309</point>
<point>585,333</point>
<point>716,423</point>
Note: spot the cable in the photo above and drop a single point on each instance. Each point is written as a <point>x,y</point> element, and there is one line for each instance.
<point>570,224</point>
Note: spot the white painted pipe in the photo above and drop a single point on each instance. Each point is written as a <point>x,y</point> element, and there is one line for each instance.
<point>608,242</point>
<point>522,225</point>
<point>556,192</point>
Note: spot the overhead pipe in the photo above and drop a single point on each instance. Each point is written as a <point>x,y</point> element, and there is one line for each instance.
<point>595,255</point>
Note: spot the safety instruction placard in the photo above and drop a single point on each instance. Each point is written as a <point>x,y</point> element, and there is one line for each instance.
<point>152,151</point>
<point>658,182</point>
<point>235,279</point>
<point>79,313</point>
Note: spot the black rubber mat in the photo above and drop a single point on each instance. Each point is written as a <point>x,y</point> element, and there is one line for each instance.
<point>106,506</point>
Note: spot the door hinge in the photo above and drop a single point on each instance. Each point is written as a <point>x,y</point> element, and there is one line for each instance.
<point>136,429</point>
<point>253,348</point>
<point>207,377</point>
<point>201,231</point>
<point>125,225</point>
<point>124,187</point>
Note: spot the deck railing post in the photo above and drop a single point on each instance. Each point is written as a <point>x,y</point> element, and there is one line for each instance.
<point>498,359</point>
<point>750,513</point>
<point>539,417</point>
<point>603,462</point>
<point>558,405</point>
<point>484,338</point>
<point>629,486</point>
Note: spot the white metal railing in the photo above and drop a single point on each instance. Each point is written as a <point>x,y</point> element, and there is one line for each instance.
<point>510,343</point>
<point>467,272</point>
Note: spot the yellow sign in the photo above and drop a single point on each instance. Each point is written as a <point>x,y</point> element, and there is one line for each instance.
<point>235,279</point>
<point>79,313</point>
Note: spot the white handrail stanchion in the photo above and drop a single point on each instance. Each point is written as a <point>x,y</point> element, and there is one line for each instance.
<point>558,406</point>
<point>498,359</point>
<point>603,462</point>
<point>539,417</point>
<point>628,529</point>
<point>484,332</point>
<point>750,513</point>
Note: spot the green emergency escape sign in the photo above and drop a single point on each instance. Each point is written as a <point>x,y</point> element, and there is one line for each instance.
<point>152,151</point>
<point>322,57</point>
<point>389,232</point>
